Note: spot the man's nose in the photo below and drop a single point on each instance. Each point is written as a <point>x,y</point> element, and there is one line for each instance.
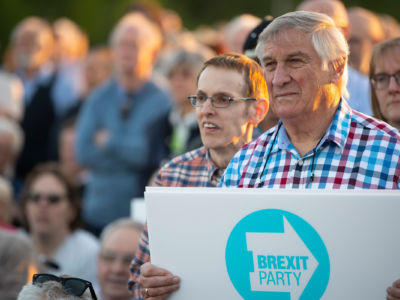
<point>281,76</point>
<point>207,107</point>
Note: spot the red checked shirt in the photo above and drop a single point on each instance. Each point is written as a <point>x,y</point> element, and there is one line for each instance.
<point>192,169</point>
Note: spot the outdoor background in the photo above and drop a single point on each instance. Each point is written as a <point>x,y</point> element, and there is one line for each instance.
<point>97,17</point>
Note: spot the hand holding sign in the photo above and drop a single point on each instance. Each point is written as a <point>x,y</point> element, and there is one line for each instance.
<point>393,292</point>
<point>157,283</point>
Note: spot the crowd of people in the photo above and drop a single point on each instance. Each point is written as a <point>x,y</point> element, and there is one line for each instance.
<point>290,102</point>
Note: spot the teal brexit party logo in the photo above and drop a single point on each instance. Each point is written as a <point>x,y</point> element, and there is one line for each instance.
<point>274,254</point>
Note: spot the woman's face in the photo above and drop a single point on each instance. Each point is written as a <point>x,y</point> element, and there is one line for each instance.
<point>183,82</point>
<point>389,98</point>
<point>48,208</point>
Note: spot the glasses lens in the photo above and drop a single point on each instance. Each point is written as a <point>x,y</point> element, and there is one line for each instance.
<point>74,286</point>
<point>42,278</point>
<point>381,81</point>
<point>221,101</point>
<point>34,198</point>
<point>397,77</point>
<point>53,198</point>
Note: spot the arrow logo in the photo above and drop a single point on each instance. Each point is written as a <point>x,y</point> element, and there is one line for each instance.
<point>282,262</point>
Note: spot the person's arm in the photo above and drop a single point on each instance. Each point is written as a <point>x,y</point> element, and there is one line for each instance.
<point>393,292</point>
<point>157,283</point>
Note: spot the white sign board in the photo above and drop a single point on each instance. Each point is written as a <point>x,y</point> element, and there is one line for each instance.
<point>276,244</point>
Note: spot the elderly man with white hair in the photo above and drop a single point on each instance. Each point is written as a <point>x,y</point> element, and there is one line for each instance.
<point>118,129</point>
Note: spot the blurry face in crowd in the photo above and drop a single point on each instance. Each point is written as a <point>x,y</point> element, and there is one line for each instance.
<point>32,48</point>
<point>183,83</point>
<point>389,98</point>
<point>117,251</point>
<point>68,159</point>
<point>294,75</point>
<point>48,209</point>
<point>97,68</point>
<point>223,128</point>
<point>131,53</point>
<point>6,153</point>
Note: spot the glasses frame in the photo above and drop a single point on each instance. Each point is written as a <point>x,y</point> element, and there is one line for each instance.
<point>50,198</point>
<point>193,100</point>
<point>63,280</point>
<point>395,75</point>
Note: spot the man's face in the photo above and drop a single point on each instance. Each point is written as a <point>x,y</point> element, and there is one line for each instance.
<point>50,212</point>
<point>389,98</point>
<point>117,251</point>
<point>131,53</point>
<point>293,72</point>
<point>223,128</point>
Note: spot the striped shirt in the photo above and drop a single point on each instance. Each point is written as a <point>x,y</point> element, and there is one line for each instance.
<point>356,152</point>
<point>192,169</point>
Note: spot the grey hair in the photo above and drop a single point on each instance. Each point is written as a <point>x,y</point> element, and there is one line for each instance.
<point>50,290</point>
<point>328,41</point>
<point>6,198</point>
<point>193,60</point>
<point>11,127</point>
<point>119,223</point>
<point>16,256</point>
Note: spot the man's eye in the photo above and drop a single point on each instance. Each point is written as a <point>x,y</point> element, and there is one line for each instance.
<point>269,65</point>
<point>221,99</point>
<point>296,62</point>
<point>201,98</point>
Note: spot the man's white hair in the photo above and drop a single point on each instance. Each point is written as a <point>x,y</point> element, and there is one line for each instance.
<point>50,290</point>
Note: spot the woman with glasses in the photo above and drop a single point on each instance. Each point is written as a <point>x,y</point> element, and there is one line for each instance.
<point>385,81</point>
<point>50,213</point>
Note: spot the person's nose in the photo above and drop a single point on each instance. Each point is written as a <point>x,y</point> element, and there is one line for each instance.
<point>393,87</point>
<point>280,75</point>
<point>207,108</point>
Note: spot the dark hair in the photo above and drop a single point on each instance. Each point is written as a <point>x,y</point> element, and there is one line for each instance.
<point>54,169</point>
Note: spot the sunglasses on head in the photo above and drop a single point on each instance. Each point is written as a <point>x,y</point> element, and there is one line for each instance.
<point>51,198</point>
<point>71,285</point>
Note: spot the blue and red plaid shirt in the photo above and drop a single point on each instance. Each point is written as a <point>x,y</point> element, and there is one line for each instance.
<point>192,169</point>
<point>357,152</point>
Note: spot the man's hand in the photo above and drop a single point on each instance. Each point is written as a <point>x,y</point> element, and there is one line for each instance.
<point>157,283</point>
<point>393,292</point>
<point>101,137</point>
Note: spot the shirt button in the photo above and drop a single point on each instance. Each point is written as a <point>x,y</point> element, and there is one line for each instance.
<point>300,162</point>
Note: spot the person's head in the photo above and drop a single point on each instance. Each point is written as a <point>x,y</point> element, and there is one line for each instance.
<point>16,260</point>
<point>237,30</point>
<point>119,242</point>
<point>365,32</point>
<point>51,287</point>
<point>332,8</point>
<point>304,57</point>
<point>135,43</point>
<point>385,88</point>
<point>223,77</point>
<point>97,67</point>
<point>11,142</point>
<point>49,202</point>
<point>33,44</point>
<point>11,97</point>
<point>71,42</point>
<point>182,68</point>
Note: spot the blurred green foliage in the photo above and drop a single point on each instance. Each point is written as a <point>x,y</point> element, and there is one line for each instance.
<point>97,17</point>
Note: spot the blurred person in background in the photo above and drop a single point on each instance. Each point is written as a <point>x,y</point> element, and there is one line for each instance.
<point>384,74</point>
<point>118,245</point>
<point>50,211</point>
<point>71,46</point>
<point>32,44</point>
<point>118,132</point>
<point>6,205</point>
<point>182,131</point>
<point>11,96</point>
<point>236,31</point>
<point>365,32</point>
<point>97,68</point>
<point>50,287</point>
<point>17,263</point>
<point>358,84</point>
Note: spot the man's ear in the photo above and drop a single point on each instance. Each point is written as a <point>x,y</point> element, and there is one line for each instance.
<point>336,69</point>
<point>259,112</point>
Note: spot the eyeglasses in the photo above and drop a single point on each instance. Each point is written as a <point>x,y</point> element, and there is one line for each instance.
<point>51,198</point>
<point>72,286</point>
<point>381,81</point>
<point>110,257</point>
<point>218,101</point>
